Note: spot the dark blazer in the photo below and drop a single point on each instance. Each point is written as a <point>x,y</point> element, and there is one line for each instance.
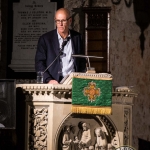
<point>48,50</point>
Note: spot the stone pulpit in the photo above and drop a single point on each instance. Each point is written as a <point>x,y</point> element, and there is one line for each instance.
<point>50,124</point>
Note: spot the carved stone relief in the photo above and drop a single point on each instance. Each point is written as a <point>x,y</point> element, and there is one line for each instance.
<point>38,128</point>
<point>81,132</point>
<point>126,126</point>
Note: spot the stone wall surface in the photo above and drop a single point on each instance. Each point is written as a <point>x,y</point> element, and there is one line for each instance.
<point>126,63</point>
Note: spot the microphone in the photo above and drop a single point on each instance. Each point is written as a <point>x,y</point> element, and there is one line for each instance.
<point>60,53</point>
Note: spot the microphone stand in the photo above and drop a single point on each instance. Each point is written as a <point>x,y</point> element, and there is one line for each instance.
<point>41,73</point>
<point>60,53</point>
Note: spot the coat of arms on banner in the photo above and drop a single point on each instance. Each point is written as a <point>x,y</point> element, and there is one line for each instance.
<point>92,95</point>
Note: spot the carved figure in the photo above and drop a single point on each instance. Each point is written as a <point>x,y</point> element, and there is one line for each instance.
<point>67,140</point>
<point>84,136</point>
<point>101,141</point>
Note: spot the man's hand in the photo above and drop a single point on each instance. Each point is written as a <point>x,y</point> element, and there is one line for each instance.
<point>52,82</point>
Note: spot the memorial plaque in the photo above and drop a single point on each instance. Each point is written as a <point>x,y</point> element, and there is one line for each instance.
<point>31,19</point>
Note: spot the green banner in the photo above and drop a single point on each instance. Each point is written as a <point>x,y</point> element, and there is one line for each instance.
<point>92,92</point>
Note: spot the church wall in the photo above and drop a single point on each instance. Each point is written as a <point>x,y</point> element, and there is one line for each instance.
<point>126,63</point>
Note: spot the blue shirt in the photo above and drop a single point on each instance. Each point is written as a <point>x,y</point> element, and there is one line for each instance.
<point>67,62</point>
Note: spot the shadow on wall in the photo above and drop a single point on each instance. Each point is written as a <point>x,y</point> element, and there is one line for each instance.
<point>143,144</point>
<point>142,16</point>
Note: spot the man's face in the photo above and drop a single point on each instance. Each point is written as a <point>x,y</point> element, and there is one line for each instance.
<point>98,133</point>
<point>84,126</point>
<point>62,22</point>
<point>68,129</point>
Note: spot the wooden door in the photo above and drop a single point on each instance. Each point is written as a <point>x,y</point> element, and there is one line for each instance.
<point>97,22</point>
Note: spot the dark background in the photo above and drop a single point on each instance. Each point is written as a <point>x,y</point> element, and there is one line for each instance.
<point>13,139</point>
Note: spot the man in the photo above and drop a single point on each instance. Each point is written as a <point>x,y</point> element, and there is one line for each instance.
<point>101,141</point>
<point>67,140</point>
<point>49,46</point>
<point>84,137</point>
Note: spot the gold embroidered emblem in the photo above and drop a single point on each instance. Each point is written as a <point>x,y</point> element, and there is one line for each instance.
<point>91,91</point>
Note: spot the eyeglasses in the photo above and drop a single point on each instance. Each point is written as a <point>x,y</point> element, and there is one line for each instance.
<point>62,21</point>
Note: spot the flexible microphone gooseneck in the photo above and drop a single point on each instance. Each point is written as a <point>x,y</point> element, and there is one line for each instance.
<point>60,53</point>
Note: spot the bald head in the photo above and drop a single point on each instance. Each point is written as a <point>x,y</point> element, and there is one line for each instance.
<point>63,11</point>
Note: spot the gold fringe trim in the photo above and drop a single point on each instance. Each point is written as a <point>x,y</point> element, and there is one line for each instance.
<point>91,110</point>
